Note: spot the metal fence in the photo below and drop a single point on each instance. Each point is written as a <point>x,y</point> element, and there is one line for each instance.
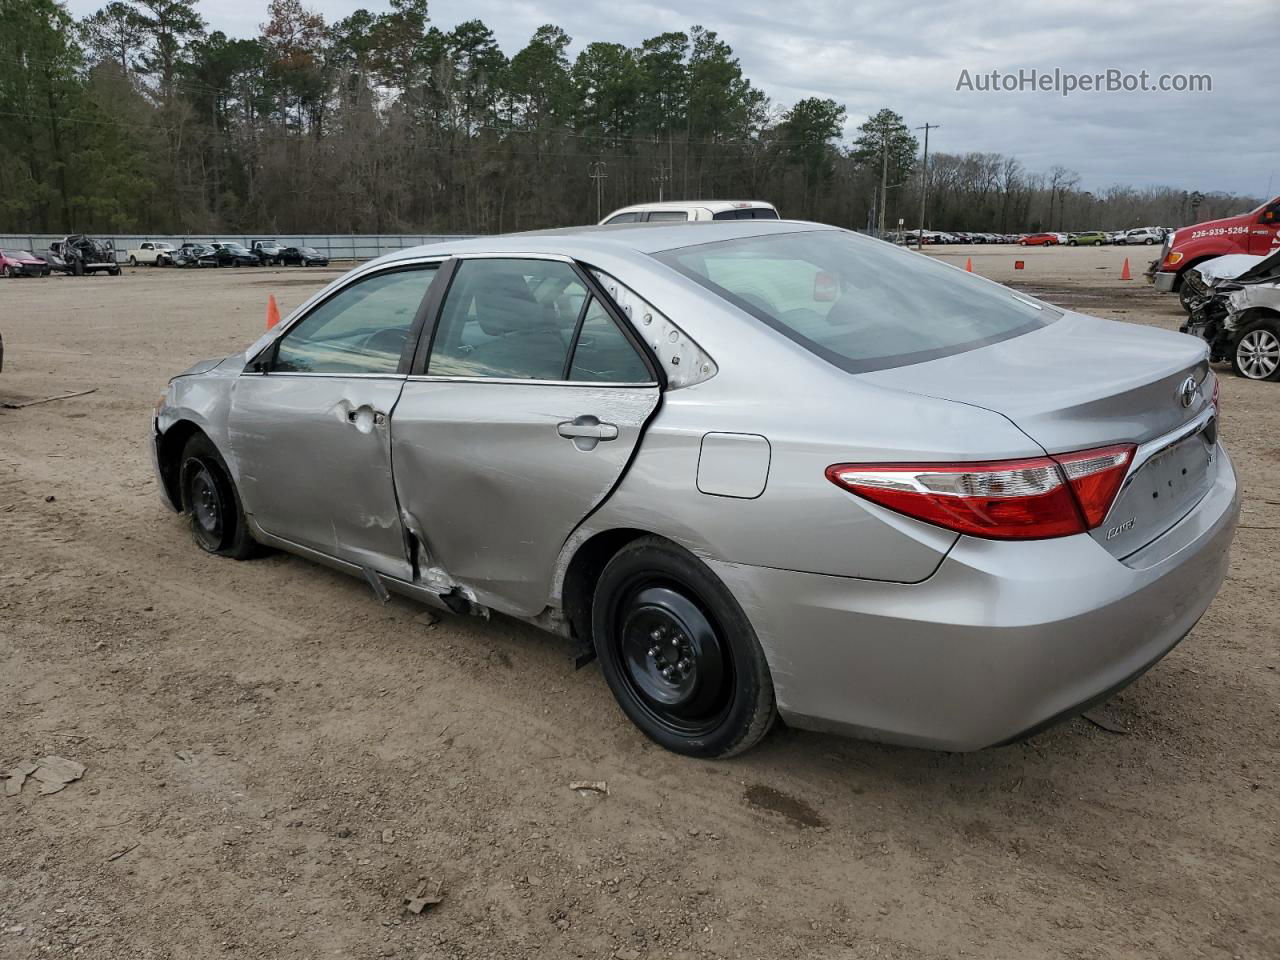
<point>335,246</point>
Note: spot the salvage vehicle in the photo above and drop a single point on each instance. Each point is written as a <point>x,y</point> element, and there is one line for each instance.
<point>268,250</point>
<point>235,255</point>
<point>1235,308</point>
<point>78,254</point>
<point>1095,238</point>
<point>155,254</point>
<point>302,257</point>
<point>1148,236</point>
<point>195,255</point>
<point>1040,240</point>
<point>684,210</point>
<point>1256,232</point>
<point>759,468</point>
<point>22,263</point>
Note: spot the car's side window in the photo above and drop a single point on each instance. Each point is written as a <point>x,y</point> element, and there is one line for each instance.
<point>603,354</point>
<point>508,319</point>
<point>623,218</point>
<point>656,215</point>
<point>361,329</point>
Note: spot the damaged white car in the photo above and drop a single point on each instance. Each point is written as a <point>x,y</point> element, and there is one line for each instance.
<point>1235,307</point>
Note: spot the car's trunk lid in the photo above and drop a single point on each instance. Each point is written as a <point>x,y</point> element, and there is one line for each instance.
<point>1082,382</point>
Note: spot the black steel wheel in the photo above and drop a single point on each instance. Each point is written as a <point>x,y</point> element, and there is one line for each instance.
<point>678,653</point>
<point>211,503</point>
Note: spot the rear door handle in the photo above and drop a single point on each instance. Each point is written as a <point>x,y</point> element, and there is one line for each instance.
<point>586,431</point>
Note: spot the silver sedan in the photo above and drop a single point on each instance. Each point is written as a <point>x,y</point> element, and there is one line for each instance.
<point>758,468</point>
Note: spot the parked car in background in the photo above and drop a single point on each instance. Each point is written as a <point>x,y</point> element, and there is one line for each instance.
<point>683,210</point>
<point>1040,240</point>
<point>22,263</point>
<point>1094,238</point>
<point>1143,235</point>
<point>996,511</point>
<point>152,253</point>
<point>268,250</point>
<point>78,254</point>
<point>1256,232</point>
<point>195,255</point>
<point>302,257</point>
<point>235,255</point>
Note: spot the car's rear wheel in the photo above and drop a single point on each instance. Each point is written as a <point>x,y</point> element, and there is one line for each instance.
<point>678,653</point>
<point>210,500</point>
<point>1257,352</point>
<point>5,271</point>
<point>133,261</point>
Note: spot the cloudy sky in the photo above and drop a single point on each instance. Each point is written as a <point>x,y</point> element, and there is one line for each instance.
<point>910,57</point>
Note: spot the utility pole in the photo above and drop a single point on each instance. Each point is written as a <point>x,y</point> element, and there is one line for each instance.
<point>884,183</point>
<point>661,178</point>
<point>924,180</point>
<point>599,176</point>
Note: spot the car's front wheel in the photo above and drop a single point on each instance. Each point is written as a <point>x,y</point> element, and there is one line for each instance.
<point>210,500</point>
<point>1257,352</point>
<point>678,652</point>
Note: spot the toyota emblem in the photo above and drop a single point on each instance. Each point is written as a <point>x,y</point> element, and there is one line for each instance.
<point>1188,391</point>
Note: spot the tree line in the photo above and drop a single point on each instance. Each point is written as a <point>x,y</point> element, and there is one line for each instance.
<point>139,119</point>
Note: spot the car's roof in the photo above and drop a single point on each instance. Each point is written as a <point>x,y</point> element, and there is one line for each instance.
<point>579,242</point>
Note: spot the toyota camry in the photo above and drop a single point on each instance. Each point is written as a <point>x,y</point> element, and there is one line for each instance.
<point>760,469</point>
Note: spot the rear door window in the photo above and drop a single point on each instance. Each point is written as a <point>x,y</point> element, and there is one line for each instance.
<point>508,319</point>
<point>672,215</point>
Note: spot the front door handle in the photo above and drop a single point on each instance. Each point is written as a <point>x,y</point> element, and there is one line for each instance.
<point>586,431</point>
<point>365,419</point>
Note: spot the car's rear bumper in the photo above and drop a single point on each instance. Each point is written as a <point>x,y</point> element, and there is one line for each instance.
<point>1165,280</point>
<point>1004,638</point>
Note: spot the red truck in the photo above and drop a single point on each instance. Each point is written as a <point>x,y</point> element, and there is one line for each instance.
<point>1257,231</point>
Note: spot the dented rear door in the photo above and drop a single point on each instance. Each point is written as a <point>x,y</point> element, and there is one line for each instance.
<point>519,421</point>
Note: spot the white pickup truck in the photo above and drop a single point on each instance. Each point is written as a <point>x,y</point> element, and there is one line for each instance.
<point>154,253</point>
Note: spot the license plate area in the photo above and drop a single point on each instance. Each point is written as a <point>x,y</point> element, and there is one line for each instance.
<point>1160,493</point>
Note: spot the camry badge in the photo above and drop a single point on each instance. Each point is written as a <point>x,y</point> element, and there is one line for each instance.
<point>1188,391</point>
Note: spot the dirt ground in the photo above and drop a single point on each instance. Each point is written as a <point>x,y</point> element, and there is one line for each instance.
<point>274,760</point>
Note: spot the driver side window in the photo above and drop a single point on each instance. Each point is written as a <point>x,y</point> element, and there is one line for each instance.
<point>361,329</point>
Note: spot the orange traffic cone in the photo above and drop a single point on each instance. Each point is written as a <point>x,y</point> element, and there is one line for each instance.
<point>968,265</point>
<point>273,312</point>
<point>1124,274</point>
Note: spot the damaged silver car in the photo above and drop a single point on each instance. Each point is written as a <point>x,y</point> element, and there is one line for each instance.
<point>761,469</point>
<point>1234,304</point>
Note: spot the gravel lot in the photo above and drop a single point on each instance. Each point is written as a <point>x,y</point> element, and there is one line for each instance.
<point>275,760</point>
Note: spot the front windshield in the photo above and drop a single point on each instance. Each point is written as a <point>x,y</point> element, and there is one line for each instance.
<point>859,303</point>
<point>309,251</point>
<point>235,248</point>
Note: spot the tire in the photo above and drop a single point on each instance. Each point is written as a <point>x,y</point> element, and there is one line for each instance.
<point>678,653</point>
<point>1097,243</point>
<point>1071,243</point>
<point>1149,241</point>
<point>1184,292</point>
<point>133,261</point>
<point>210,501</point>
<point>115,272</point>
<point>1256,352</point>
<point>77,267</point>
<point>6,272</point>
<point>236,264</point>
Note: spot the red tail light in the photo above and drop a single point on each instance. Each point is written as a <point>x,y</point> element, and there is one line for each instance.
<point>1027,499</point>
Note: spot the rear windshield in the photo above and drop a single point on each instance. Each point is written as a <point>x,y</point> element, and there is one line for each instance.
<point>856,302</point>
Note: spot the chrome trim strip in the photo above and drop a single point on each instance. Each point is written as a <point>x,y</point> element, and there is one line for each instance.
<point>303,373</point>
<point>1151,448</point>
<point>436,378</point>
